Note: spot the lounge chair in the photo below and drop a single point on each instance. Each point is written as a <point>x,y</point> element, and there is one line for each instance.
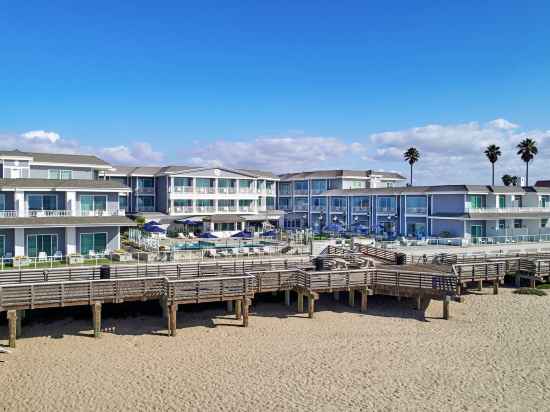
<point>243,251</point>
<point>222,253</point>
<point>212,252</point>
<point>8,257</point>
<point>58,255</point>
<point>42,257</point>
<point>92,254</point>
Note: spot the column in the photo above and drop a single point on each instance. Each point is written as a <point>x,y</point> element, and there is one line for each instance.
<point>70,241</point>
<point>19,203</point>
<point>19,242</point>
<point>70,203</point>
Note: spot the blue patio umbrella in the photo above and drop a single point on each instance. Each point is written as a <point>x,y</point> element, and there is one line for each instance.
<point>207,235</point>
<point>152,222</point>
<point>360,228</point>
<point>188,222</point>
<point>244,234</point>
<point>269,233</point>
<point>154,229</point>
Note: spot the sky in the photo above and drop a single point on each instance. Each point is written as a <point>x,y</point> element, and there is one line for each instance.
<point>281,85</point>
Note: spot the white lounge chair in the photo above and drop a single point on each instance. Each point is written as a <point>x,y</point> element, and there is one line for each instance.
<point>42,256</point>
<point>222,253</point>
<point>212,252</point>
<point>243,251</point>
<point>92,254</point>
<point>58,255</point>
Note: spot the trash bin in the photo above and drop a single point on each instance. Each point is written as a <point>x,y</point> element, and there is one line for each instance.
<point>400,259</point>
<point>105,272</point>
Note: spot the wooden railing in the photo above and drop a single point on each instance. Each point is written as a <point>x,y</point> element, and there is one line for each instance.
<point>209,289</point>
<point>467,272</point>
<point>387,255</point>
<point>421,281</point>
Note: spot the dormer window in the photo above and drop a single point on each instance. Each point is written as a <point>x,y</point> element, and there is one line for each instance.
<point>58,174</point>
<point>16,169</point>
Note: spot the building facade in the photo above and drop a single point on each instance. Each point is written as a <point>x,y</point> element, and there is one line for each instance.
<point>303,196</point>
<point>55,204</point>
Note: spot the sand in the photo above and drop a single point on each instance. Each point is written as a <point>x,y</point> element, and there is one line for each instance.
<point>492,355</point>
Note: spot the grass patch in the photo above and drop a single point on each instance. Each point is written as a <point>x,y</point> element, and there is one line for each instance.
<point>530,291</point>
<point>544,286</point>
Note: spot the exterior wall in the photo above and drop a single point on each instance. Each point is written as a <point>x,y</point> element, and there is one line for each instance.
<point>454,227</point>
<point>113,236</point>
<point>60,232</point>
<point>448,203</point>
<point>162,194</point>
<point>41,172</point>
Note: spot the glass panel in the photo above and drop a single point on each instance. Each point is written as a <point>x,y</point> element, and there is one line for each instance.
<point>2,204</point>
<point>53,174</point>
<point>502,201</point>
<point>86,243</point>
<point>2,246</point>
<point>66,175</point>
<point>122,202</point>
<point>203,182</point>
<point>32,246</point>
<point>50,202</point>
<point>35,202</point>
<point>86,203</point>
<point>100,202</point>
<point>100,242</point>
<point>145,201</point>
<point>145,182</point>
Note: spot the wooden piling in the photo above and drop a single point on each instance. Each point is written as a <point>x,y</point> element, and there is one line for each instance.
<point>12,327</point>
<point>230,306</point>
<point>300,302</point>
<point>287,297</point>
<point>245,303</point>
<point>480,285</point>
<point>495,286</point>
<point>172,319</point>
<point>364,299</point>
<point>96,319</point>
<point>351,297</point>
<point>310,305</point>
<point>446,307</point>
<point>238,310</point>
<point>336,296</point>
<point>532,282</point>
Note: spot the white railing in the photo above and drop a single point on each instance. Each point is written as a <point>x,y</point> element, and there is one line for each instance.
<point>318,209</point>
<point>209,189</point>
<point>389,210</point>
<point>205,209</point>
<point>227,189</point>
<point>247,209</point>
<point>246,190</point>
<point>145,190</point>
<point>417,210</point>
<point>298,192</point>
<point>183,209</point>
<point>270,191</point>
<point>97,212</point>
<point>360,209</point>
<point>337,209</point>
<point>49,213</point>
<point>533,209</point>
<point>492,240</point>
<point>227,208</point>
<point>183,189</point>
<point>8,213</point>
<point>318,191</point>
<point>145,209</point>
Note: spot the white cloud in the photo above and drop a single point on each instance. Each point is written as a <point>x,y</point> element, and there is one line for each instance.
<point>139,153</point>
<point>503,124</point>
<point>37,135</point>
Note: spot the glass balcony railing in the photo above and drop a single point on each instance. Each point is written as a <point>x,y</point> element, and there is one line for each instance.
<point>417,210</point>
<point>183,189</point>
<point>183,209</point>
<point>361,209</point>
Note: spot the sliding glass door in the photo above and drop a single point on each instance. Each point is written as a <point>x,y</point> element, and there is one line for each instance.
<point>96,242</point>
<point>41,243</point>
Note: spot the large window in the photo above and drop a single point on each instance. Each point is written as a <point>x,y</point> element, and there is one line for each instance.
<point>123,202</point>
<point>300,203</point>
<point>59,174</point>
<point>417,204</point>
<point>270,202</point>
<point>476,201</point>
<point>92,203</point>
<point>360,203</point>
<point>300,186</point>
<point>42,202</point>
<point>319,186</point>
<point>285,203</point>
<point>145,202</point>
<point>501,201</point>
<point>517,223</point>
<point>96,242</point>
<point>224,227</point>
<point>284,188</point>
<point>386,204</point>
<point>229,183</point>
<point>41,243</point>
<point>205,202</point>
<point>183,181</point>
<point>319,203</point>
<point>544,201</point>
<point>145,182</point>
<point>2,201</point>
<point>338,203</point>
<point>183,203</point>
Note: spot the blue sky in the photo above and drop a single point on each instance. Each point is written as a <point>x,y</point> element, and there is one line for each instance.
<point>158,82</point>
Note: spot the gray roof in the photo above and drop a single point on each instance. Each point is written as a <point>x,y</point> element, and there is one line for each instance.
<point>75,159</point>
<point>161,170</point>
<point>435,189</point>
<point>62,184</point>
<point>339,173</point>
<point>494,216</point>
<point>66,221</point>
<point>259,173</point>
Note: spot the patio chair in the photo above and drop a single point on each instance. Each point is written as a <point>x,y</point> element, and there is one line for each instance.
<point>42,256</point>
<point>58,255</point>
<point>212,252</point>
<point>92,254</point>
<point>243,251</point>
<point>8,257</point>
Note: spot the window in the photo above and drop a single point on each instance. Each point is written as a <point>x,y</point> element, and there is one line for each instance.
<point>338,203</point>
<point>357,184</point>
<point>300,203</point>
<point>15,169</point>
<point>501,201</point>
<point>318,186</point>
<point>96,242</point>
<point>544,201</point>
<point>183,181</point>
<point>229,183</point>
<point>224,227</point>
<point>270,202</point>
<point>145,182</point>
<point>41,243</point>
<point>501,224</point>
<point>245,183</point>
<point>389,184</point>
<point>517,223</point>
<point>417,204</point>
<point>476,201</point>
<point>360,202</point>
<point>90,203</point>
<point>205,202</point>
<point>301,186</point>
<point>543,224</point>
<point>2,245</point>
<point>319,203</point>
<point>285,203</point>
<point>59,174</point>
<point>284,188</point>
<point>122,202</point>
<point>183,203</point>
<point>2,202</point>
<point>386,204</point>
<point>42,202</point>
<point>145,202</point>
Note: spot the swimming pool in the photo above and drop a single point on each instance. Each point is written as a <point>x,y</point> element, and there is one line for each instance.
<point>201,244</point>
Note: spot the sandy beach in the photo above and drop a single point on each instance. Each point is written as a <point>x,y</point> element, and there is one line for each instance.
<point>492,355</point>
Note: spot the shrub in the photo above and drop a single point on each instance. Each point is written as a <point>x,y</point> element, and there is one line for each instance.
<point>544,286</point>
<point>530,291</point>
<point>140,220</point>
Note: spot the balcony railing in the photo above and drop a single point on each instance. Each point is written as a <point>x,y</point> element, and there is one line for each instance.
<point>417,210</point>
<point>145,209</point>
<point>337,209</point>
<point>286,207</point>
<point>300,208</point>
<point>227,208</point>
<point>386,210</point>
<point>8,213</point>
<point>145,190</point>
<point>98,212</point>
<point>270,191</point>
<point>48,213</point>
<point>298,192</point>
<point>227,190</point>
<point>285,192</point>
<point>318,191</point>
<point>209,189</point>
<point>246,190</point>
<point>183,209</point>
<point>183,189</point>
<point>247,209</point>
<point>503,210</point>
<point>318,208</point>
<point>206,209</point>
<point>361,209</point>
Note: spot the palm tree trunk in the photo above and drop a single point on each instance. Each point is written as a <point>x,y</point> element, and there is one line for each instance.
<point>411,174</point>
<point>526,173</point>
<point>493,165</point>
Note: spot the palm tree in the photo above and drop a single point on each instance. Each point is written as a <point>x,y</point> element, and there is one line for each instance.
<point>527,150</point>
<point>515,180</point>
<point>411,156</point>
<point>507,180</point>
<point>493,153</point>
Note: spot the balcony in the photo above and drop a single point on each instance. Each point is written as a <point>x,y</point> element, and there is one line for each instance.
<point>247,209</point>
<point>208,190</point>
<point>300,208</point>
<point>227,190</point>
<point>300,192</point>
<point>246,190</point>
<point>505,210</point>
<point>183,189</point>
<point>98,212</point>
<point>183,209</point>
<point>337,209</point>
<point>48,213</point>
<point>316,208</point>
<point>417,210</point>
<point>148,190</point>
<point>386,210</point>
<point>8,213</point>
<point>205,209</point>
